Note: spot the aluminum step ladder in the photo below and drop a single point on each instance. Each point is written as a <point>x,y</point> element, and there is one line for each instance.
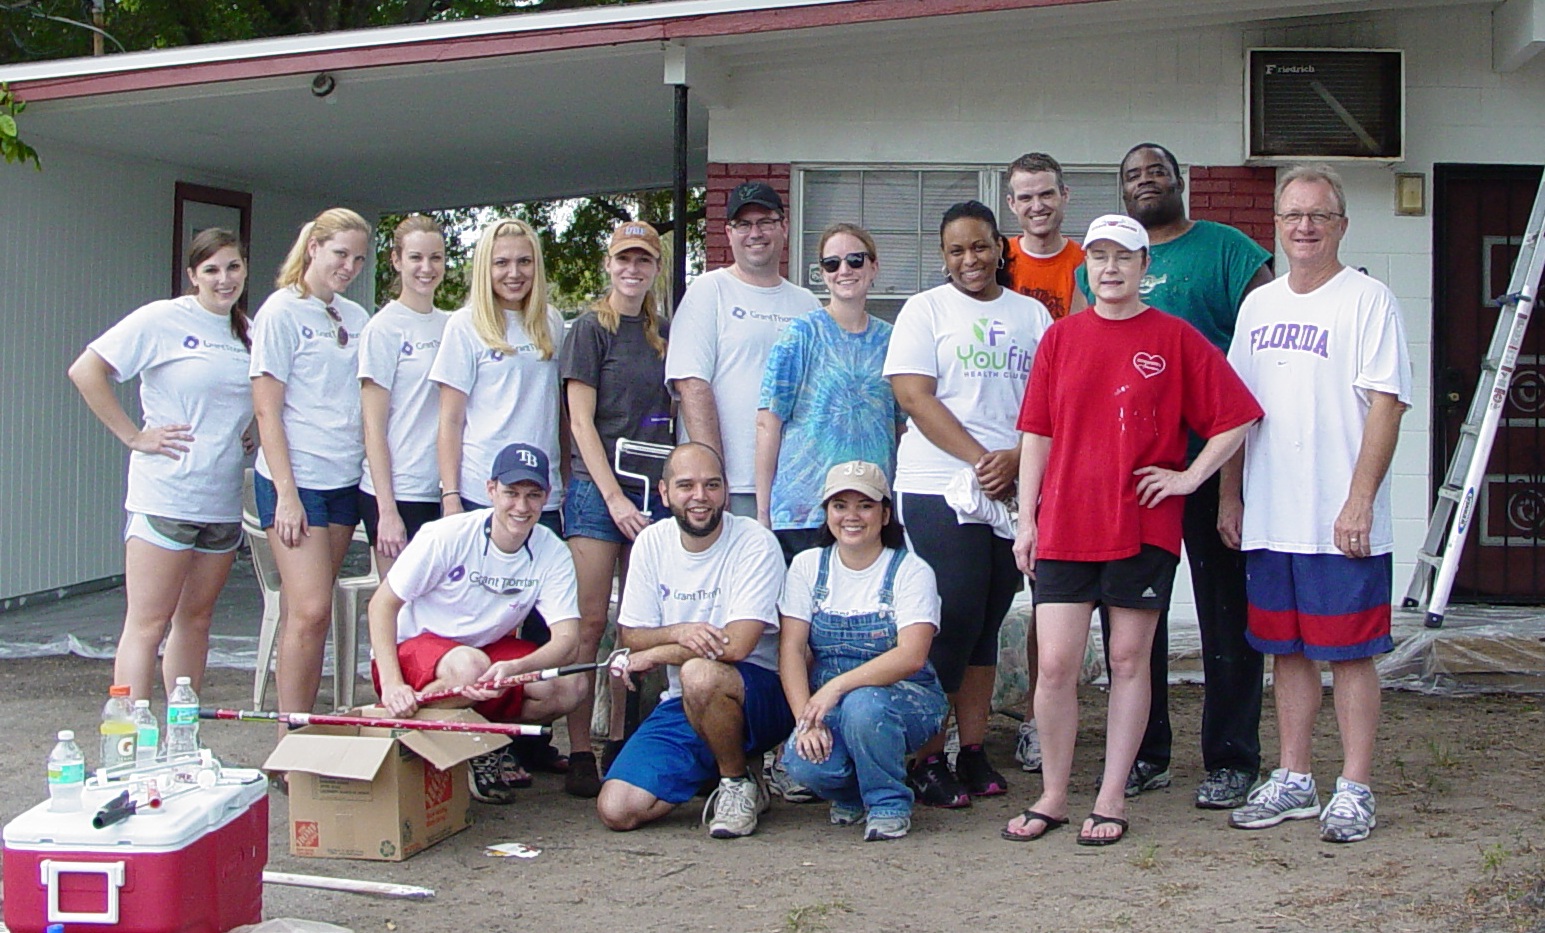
<point>1438,560</point>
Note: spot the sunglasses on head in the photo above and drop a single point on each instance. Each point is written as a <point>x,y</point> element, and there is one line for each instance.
<point>854,261</point>
<point>343,335</point>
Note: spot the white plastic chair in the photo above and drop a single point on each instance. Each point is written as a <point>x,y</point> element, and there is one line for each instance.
<point>349,594</point>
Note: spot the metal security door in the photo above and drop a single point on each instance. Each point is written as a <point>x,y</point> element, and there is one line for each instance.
<point>1481,212</point>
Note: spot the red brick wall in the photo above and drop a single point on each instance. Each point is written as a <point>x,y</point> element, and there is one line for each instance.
<point>1237,195</point>
<point>723,176</point>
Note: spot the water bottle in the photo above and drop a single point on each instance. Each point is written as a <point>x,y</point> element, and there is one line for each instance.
<point>118,732</point>
<point>66,774</point>
<point>182,719</point>
<point>147,731</point>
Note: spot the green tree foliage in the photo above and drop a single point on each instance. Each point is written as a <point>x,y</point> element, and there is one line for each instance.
<point>11,146</point>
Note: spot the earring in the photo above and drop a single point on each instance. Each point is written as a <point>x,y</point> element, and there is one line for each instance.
<point>1002,261</point>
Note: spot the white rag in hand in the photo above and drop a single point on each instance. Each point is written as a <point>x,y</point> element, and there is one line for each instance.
<point>972,506</point>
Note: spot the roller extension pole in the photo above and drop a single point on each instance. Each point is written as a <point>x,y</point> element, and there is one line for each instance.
<point>328,719</point>
<point>618,657</point>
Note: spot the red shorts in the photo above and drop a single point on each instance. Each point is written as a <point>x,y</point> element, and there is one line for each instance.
<point>420,656</point>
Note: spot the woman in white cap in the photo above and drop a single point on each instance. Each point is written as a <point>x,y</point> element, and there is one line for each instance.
<point>305,393</point>
<point>399,490</point>
<point>1112,394</point>
<point>185,463</point>
<point>613,369</point>
<point>859,613</point>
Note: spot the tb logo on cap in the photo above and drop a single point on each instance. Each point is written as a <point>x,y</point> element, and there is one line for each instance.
<point>527,458</point>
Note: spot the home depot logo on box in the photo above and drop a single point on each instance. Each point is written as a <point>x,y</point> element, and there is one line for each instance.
<point>437,786</point>
<point>307,834</point>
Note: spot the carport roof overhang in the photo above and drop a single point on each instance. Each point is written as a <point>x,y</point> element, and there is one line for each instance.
<point>511,108</point>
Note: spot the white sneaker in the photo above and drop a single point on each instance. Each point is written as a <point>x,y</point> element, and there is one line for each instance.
<point>1277,799</point>
<point>732,808</point>
<point>1348,817</point>
<point>1027,750</point>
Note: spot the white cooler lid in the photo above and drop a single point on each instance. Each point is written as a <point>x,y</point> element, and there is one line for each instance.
<point>179,822</point>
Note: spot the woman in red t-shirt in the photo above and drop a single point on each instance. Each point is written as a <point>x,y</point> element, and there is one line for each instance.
<point>1103,476</point>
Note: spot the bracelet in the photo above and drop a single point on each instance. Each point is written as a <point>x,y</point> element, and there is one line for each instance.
<point>449,492</point>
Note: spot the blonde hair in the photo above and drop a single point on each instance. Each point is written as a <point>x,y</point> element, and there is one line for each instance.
<point>413,223</point>
<point>487,316</point>
<point>328,224</point>
<point>610,318</point>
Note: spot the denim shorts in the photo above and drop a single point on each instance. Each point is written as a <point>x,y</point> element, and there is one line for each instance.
<point>323,506</point>
<point>585,514</point>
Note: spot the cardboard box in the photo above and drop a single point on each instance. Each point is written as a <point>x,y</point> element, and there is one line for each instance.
<point>380,794</point>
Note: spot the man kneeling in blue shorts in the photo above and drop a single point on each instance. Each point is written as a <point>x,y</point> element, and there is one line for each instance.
<point>701,598</point>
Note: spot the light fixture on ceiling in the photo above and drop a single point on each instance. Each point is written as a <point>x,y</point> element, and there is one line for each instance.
<point>323,84</point>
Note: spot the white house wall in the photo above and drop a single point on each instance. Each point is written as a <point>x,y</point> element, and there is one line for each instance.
<point>984,98</point>
<point>88,240</point>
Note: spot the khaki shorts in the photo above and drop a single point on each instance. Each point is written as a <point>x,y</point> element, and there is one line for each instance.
<point>178,535</point>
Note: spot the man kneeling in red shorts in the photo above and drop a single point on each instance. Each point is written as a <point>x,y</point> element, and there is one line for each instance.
<point>450,612</point>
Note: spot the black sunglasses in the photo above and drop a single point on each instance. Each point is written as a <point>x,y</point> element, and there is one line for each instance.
<point>343,335</point>
<point>854,261</point>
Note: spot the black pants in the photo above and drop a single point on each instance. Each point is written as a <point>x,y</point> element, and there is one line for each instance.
<point>1231,702</point>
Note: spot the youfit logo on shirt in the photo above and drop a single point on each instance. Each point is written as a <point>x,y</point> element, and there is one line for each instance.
<point>1306,338</point>
<point>999,356</point>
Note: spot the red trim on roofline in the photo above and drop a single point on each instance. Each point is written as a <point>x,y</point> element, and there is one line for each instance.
<point>517,43</point>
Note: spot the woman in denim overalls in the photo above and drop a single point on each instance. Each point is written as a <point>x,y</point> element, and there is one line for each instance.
<point>859,615</point>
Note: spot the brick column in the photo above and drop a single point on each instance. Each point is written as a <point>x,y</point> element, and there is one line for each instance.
<point>723,176</point>
<point>1237,195</point>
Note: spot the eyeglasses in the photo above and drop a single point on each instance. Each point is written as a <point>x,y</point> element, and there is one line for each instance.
<point>765,225</point>
<point>1317,218</point>
<point>854,261</point>
<point>343,335</point>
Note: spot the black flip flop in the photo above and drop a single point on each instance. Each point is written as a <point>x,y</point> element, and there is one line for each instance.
<point>1028,815</point>
<point>1101,820</point>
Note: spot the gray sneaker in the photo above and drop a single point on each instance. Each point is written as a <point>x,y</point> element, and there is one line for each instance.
<point>1275,800</point>
<point>1145,776</point>
<point>733,807</point>
<point>779,782</point>
<point>1027,749</point>
<point>883,828</point>
<point>1348,817</point>
<point>843,814</point>
<point>1224,789</point>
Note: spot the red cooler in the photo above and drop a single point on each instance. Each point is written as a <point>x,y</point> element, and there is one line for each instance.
<point>194,866</point>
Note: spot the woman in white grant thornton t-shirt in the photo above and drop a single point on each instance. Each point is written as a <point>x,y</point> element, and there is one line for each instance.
<point>185,469</point>
<point>399,491</point>
<point>958,362</point>
<point>305,393</point>
<point>498,370</point>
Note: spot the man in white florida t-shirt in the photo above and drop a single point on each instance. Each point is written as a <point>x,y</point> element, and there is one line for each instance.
<point>1324,350</point>
<point>723,331</point>
<point>451,611</point>
<point>701,599</point>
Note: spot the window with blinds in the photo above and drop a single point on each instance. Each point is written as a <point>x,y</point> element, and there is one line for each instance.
<point>901,208</point>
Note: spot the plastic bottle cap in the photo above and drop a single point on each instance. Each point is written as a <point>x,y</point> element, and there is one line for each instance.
<point>142,704</point>
<point>185,681</point>
<point>66,735</point>
<point>118,690</point>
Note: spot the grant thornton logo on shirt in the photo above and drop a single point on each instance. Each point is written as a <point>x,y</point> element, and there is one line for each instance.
<point>191,342</point>
<point>740,314</point>
<point>994,353</point>
<point>457,572</point>
<point>408,346</point>
<point>694,595</point>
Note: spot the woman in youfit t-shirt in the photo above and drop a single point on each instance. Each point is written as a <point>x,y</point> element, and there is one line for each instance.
<point>185,469</point>
<point>399,490</point>
<point>958,361</point>
<point>305,392</point>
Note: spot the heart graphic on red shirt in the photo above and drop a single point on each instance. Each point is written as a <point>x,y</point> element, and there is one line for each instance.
<point>1149,364</point>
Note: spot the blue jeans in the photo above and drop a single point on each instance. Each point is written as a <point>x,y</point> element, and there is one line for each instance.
<point>873,731</point>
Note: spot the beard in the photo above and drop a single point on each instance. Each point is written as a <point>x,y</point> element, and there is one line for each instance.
<point>1165,210</point>
<point>685,523</point>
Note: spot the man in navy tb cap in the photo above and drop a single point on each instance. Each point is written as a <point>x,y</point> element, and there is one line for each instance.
<point>451,612</point>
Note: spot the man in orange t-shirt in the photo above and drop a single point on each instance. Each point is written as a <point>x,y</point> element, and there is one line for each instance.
<point>1040,261</point>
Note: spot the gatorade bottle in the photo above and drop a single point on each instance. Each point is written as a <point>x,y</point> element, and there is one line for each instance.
<point>182,719</point>
<point>147,745</point>
<point>118,732</point>
<point>66,774</point>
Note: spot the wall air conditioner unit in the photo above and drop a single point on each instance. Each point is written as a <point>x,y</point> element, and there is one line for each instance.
<point>1325,104</point>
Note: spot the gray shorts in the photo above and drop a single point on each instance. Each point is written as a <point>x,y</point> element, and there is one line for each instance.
<point>742,504</point>
<point>175,534</point>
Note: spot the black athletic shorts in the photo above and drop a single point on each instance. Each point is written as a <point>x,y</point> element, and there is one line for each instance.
<point>1142,581</point>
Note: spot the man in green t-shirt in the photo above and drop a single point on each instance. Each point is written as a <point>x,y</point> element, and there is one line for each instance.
<point>1199,271</point>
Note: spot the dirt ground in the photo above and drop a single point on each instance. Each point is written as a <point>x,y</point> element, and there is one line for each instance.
<point>1461,813</point>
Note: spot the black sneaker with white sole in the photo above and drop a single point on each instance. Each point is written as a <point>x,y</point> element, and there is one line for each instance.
<point>489,776</point>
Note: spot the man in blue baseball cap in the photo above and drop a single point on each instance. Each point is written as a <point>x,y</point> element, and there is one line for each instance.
<point>451,613</point>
